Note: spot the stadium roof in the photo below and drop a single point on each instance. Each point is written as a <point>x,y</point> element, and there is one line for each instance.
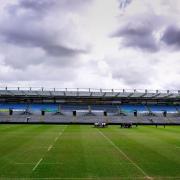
<point>69,92</point>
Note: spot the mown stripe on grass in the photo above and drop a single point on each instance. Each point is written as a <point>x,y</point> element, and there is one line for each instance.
<point>88,178</point>
<point>126,156</point>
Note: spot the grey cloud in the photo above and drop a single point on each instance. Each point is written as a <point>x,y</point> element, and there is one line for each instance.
<point>58,50</point>
<point>23,31</point>
<point>39,73</point>
<point>134,76</point>
<point>171,36</point>
<point>124,3</point>
<point>31,9</point>
<point>138,35</point>
<point>74,4</point>
<point>38,9</point>
<point>132,70</point>
<point>45,5</point>
<point>31,35</point>
<point>22,57</point>
<point>39,5</point>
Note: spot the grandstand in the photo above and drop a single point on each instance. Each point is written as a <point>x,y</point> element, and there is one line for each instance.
<point>87,134</point>
<point>86,106</point>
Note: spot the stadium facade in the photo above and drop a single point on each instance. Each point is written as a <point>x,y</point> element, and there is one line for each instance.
<point>42,105</point>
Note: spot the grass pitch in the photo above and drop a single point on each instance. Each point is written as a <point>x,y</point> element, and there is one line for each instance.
<point>84,152</point>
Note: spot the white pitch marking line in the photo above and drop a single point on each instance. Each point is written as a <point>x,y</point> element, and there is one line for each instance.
<point>50,147</point>
<point>37,164</point>
<point>59,134</point>
<point>125,155</point>
<point>56,139</point>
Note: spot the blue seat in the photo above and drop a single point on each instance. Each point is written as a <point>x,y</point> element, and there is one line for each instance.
<point>162,108</point>
<point>131,108</point>
<point>31,107</point>
<point>67,107</point>
<point>104,107</point>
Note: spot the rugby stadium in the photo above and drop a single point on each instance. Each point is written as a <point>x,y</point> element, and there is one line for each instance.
<point>89,106</point>
<point>89,90</point>
<point>89,134</point>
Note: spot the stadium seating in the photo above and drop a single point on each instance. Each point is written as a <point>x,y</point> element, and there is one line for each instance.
<point>131,108</point>
<point>63,113</point>
<point>161,108</point>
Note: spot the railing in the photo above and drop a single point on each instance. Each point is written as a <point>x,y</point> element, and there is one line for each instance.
<point>90,90</point>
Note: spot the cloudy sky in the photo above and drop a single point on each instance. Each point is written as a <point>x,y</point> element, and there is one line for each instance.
<point>90,43</point>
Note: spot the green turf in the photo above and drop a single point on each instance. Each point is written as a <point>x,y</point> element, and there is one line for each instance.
<point>84,152</point>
